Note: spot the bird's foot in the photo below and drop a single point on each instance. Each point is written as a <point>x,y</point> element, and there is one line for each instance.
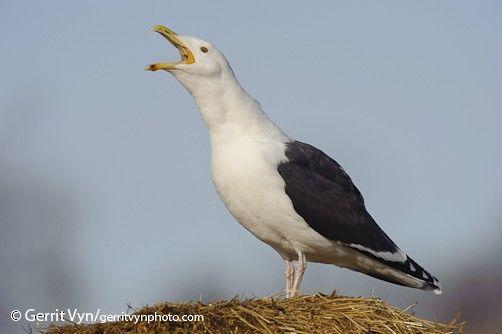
<point>293,293</point>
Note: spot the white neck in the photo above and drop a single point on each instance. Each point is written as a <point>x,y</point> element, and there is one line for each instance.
<point>230,112</point>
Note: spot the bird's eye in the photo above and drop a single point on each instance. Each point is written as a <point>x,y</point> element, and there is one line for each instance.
<point>204,49</point>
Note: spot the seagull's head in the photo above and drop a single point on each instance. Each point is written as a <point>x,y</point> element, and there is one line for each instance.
<point>201,64</point>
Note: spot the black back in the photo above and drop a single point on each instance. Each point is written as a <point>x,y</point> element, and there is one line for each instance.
<point>325,197</point>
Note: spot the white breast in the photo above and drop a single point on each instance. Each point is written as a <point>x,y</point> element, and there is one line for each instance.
<point>244,175</point>
<point>244,172</point>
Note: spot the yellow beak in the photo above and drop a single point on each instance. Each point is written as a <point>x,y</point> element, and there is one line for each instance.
<point>185,53</point>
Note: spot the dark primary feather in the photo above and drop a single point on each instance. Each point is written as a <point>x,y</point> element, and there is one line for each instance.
<point>324,195</point>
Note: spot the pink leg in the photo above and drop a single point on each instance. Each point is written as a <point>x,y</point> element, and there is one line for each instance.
<point>289,273</point>
<point>299,267</point>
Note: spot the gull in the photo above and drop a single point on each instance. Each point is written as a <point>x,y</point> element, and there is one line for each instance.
<point>288,194</point>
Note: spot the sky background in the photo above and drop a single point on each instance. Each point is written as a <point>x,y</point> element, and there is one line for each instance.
<point>105,191</point>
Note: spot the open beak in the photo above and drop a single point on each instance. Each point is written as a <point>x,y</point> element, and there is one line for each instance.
<point>185,54</point>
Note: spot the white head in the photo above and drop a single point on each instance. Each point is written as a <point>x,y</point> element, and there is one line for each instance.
<point>202,68</point>
<point>206,74</point>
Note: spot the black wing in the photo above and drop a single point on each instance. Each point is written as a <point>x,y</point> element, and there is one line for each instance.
<point>324,195</point>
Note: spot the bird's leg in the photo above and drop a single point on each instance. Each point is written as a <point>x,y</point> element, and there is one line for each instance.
<point>289,272</point>
<point>300,266</point>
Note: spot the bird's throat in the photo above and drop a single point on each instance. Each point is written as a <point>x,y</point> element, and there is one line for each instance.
<point>226,105</point>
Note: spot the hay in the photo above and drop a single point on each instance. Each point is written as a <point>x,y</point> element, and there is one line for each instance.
<point>306,314</point>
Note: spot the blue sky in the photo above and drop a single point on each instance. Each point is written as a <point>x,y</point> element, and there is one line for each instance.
<point>104,167</point>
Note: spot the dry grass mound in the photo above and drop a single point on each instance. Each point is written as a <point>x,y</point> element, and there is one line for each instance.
<point>305,314</point>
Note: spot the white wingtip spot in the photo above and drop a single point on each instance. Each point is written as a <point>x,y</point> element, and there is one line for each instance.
<point>438,287</point>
